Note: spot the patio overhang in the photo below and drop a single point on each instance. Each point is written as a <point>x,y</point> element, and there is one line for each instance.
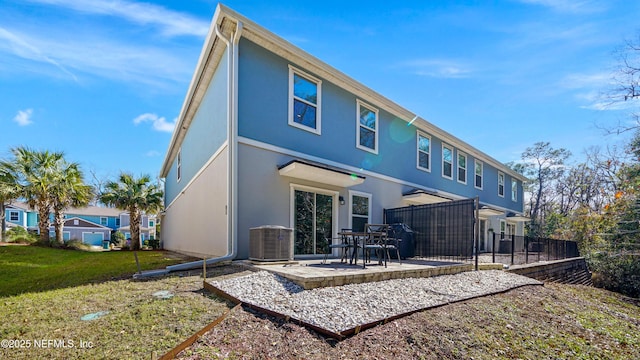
<point>421,197</point>
<point>320,173</point>
<point>517,217</point>
<point>486,211</point>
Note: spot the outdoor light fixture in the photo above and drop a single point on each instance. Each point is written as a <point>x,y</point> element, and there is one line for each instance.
<point>341,200</point>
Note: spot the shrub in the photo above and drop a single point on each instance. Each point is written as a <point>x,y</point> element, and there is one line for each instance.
<point>117,239</point>
<point>20,235</point>
<point>78,245</point>
<point>616,272</point>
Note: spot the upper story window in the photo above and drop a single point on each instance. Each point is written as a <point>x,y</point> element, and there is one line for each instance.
<point>514,189</point>
<point>103,221</point>
<point>478,171</point>
<point>367,127</point>
<point>462,167</point>
<point>424,152</point>
<point>179,165</point>
<point>14,216</point>
<point>117,221</point>
<point>304,101</point>
<point>500,184</point>
<point>447,161</point>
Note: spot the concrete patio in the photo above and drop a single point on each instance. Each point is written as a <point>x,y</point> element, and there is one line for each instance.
<point>312,274</point>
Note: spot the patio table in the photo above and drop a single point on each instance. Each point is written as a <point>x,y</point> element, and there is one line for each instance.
<point>358,239</point>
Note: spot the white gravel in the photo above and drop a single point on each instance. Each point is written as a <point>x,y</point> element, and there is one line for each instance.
<point>344,307</point>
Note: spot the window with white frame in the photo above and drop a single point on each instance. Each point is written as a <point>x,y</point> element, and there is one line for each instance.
<point>500,184</point>
<point>503,228</point>
<point>117,222</point>
<point>447,161</point>
<point>479,167</point>
<point>514,189</point>
<point>304,101</point>
<point>179,165</point>
<point>360,210</point>
<point>14,216</point>
<point>462,167</point>
<point>367,127</point>
<point>424,152</point>
<point>103,221</point>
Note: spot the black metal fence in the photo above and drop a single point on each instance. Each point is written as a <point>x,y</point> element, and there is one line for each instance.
<point>516,250</point>
<point>447,231</point>
<point>442,231</point>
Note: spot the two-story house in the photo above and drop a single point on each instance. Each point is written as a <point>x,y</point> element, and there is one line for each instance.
<point>90,224</point>
<point>269,134</point>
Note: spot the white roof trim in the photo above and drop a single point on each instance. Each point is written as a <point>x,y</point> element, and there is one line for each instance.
<point>281,47</point>
<point>422,198</point>
<point>320,174</point>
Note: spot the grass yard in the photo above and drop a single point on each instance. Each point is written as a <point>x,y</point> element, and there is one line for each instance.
<point>33,268</point>
<point>46,293</point>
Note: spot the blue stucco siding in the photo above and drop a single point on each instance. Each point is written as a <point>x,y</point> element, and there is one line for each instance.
<point>263,116</point>
<point>206,134</point>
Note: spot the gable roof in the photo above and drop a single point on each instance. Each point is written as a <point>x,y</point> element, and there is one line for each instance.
<point>82,223</point>
<point>212,52</point>
<point>86,211</point>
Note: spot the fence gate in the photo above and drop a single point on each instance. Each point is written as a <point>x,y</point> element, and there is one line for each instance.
<point>442,230</point>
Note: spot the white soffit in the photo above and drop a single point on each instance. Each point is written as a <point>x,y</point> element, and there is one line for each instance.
<point>518,218</point>
<point>320,174</point>
<point>421,198</point>
<point>486,211</point>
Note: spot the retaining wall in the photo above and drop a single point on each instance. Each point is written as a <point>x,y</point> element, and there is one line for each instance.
<point>568,271</point>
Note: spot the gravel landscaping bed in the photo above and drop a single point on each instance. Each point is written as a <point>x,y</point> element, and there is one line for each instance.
<point>341,308</point>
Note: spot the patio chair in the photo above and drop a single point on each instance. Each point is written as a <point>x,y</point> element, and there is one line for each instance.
<point>375,240</point>
<point>341,242</point>
<point>392,243</point>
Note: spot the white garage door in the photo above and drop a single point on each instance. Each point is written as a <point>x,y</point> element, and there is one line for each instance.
<point>93,238</point>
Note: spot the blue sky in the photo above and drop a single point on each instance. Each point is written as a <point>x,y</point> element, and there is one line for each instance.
<point>104,80</point>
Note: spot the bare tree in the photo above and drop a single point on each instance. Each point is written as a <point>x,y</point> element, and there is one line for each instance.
<point>625,91</point>
<point>543,165</point>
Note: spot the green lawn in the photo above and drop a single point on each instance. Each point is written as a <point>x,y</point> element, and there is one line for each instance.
<point>32,268</point>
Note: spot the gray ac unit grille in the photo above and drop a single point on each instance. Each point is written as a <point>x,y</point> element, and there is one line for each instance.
<point>270,243</point>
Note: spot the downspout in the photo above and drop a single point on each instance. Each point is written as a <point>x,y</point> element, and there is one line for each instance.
<point>232,164</point>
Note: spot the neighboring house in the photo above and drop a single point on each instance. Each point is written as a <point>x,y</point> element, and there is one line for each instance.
<point>270,135</point>
<point>91,224</point>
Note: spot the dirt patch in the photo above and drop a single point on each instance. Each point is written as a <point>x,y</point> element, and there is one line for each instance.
<point>555,321</point>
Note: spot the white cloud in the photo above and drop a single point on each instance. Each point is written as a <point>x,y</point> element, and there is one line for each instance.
<point>578,81</point>
<point>158,123</point>
<point>569,6</point>
<point>438,68</point>
<point>171,23</point>
<point>23,118</point>
<point>106,58</point>
<point>22,47</point>
<point>152,153</point>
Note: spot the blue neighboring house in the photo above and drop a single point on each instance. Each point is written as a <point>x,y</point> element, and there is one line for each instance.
<point>269,134</point>
<point>91,224</point>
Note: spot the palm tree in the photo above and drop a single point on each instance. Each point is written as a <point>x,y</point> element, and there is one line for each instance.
<point>37,172</point>
<point>9,191</point>
<point>69,190</point>
<point>136,196</point>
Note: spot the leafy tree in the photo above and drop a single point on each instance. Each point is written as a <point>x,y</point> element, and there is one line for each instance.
<point>69,190</point>
<point>36,173</point>
<point>135,195</point>
<point>9,191</point>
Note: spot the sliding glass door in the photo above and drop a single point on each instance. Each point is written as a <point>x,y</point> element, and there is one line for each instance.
<point>313,220</point>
